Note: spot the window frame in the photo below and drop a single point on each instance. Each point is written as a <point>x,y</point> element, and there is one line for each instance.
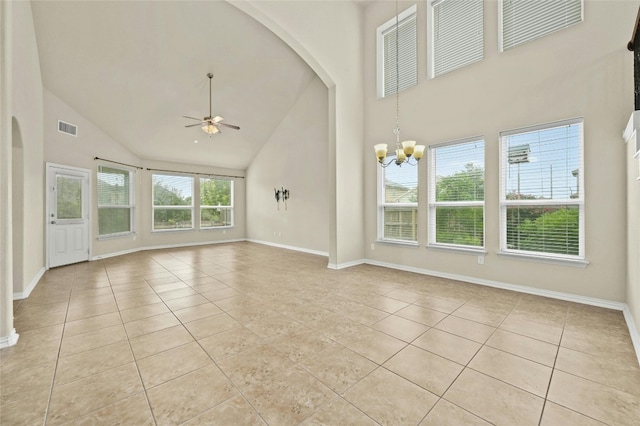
<point>202,207</point>
<point>381,238</point>
<point>432,52</point>
<point>432,204</point>
<point>502,48</point>
<point>403,17</point>
<point>155,207</point>
<point>579,201</point>
<point>130,206</point>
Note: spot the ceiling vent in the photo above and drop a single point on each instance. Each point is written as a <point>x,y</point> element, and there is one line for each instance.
<point>69,129</point>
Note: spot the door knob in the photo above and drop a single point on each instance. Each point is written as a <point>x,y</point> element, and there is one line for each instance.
<point>53,222</point>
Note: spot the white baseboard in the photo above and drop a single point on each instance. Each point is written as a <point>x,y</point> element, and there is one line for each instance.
<point>633,330</point>
<point>164,246</point>
<point>284,246</point>
<point>27,291</point>
<point>10,340</point>
<point>603,303</point>
<point>338,266</point>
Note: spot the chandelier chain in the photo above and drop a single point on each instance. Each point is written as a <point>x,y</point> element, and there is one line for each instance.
<point>397,130</point>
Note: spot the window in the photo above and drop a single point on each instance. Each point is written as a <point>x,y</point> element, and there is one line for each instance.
<point>456,196</point>
<point>172,202</point>
<point>458,37</point>
<point>115,201</point>
<point>542,201</point>
<point>216,203</point>
<point>398,203</point>
<point>406,53</point>
<point>524,20</point>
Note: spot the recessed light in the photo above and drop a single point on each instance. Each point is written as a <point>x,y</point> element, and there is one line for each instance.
<point>196,141</point>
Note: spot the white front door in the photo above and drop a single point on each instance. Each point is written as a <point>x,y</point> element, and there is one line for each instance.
<point>67,215</point>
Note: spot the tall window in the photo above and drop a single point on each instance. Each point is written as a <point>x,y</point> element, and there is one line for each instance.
<point>524,20</point>
<point>457,34</point>
<point>542,196</point>
<point>172,202</point>
<point>216,203</point>
<point>456,196</point>
<point>115,201</point>
<point>390,79</point>
<point>398,203</point>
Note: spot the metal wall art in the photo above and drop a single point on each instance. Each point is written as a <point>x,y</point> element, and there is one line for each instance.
<point>281,194</point>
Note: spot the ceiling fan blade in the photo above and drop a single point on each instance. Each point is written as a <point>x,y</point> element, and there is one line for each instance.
<point>192,118</point>
<point>193,125</point>
<point>231,126</point>
<point>217,119</point>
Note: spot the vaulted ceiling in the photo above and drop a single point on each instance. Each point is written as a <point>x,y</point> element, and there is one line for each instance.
<point>135,68</point>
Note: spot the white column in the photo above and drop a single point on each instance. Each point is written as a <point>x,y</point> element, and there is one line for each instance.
<point>8,335</point>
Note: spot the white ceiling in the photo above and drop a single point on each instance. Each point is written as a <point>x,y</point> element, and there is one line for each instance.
<point>135,68</point>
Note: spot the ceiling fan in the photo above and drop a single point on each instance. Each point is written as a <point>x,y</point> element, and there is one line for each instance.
<point>210,125</point>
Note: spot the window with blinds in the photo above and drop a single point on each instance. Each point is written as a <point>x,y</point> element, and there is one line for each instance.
<point>456,194</point>
<point>458,34</point>
<point>172,202</point>
<point>398,203</point>
<point>542,199</point>
<point>216,203</point>
<point>393,77</point>
<point>525,20</point>
<point>115,201</point>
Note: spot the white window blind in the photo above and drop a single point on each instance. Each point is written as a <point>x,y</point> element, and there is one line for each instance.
<point>216,203</point>
<point>172,202</point>
<point>542,201</point>
<point>525,20</point>
<point>390,79</point>
<point>456,195</point>
<point>398,203</point>
<point>115,201</point>
<point>458,35</point>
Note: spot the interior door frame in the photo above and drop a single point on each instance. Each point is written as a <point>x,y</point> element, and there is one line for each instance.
<point>48,192</point>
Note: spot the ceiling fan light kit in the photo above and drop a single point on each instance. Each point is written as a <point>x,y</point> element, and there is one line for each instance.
<point>210,124</point>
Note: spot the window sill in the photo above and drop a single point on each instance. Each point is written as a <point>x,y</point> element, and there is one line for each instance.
<point>398,243</point>
<point>576,263</point>
<point>116,236</point>
<point>213,228</point>
<point>171,230</point>
<point>480,251</point>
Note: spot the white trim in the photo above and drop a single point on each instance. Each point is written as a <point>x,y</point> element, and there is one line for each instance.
<point>452,248</point>
<point>406,243</point>
<point>164,246</point>
<point>284,246</point>
<point>10,340</point>
<point>555,260</point>
<point>36,279</point>
<point>585,300</point>
<point>338,266</point>
<point>633,331</point>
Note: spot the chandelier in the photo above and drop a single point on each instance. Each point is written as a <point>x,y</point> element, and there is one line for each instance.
<point>407,149</point>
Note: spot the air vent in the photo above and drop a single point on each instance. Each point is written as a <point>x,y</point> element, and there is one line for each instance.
<point>69,129</point>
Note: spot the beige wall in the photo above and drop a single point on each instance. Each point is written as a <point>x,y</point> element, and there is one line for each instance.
<point>28,185</point>
<point>584,71</point>
<point>295,157</point>
<point>328,36</point>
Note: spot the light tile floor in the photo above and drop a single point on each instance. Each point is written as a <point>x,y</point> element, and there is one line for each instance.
<point>248,334</point>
